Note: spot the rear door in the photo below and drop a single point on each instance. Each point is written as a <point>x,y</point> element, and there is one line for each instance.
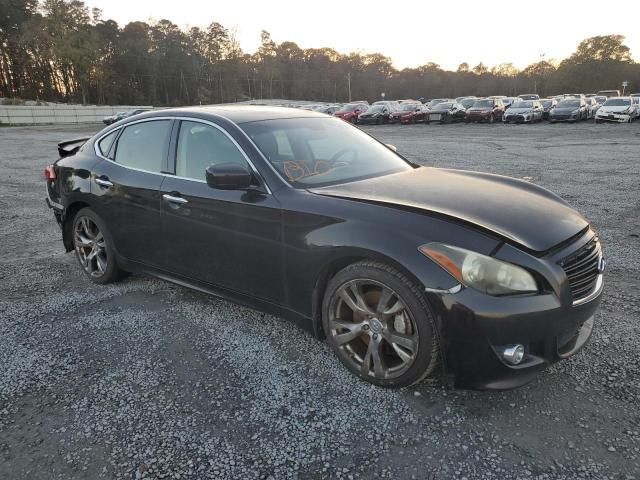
<point>227,238</point>
<point>126,184</point>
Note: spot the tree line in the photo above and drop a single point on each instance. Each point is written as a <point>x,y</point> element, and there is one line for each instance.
<point>60,50</point>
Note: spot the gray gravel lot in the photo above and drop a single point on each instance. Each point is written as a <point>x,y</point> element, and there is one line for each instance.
<point>146,379</point>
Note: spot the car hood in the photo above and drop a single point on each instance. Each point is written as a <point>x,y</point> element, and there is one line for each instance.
<point>513,209</point>
<point>614,108</point>
<point>565,110</point>
<point>520,110</point>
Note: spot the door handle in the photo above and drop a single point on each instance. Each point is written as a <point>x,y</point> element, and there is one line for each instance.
<point>175,200</point>
<point>104,182</point>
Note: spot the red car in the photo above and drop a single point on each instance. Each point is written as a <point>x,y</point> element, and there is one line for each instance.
<point>485,110</point>
<point>408,113</point>
<point>350,111</point>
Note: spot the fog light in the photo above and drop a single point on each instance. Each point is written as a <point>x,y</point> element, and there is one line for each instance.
<point>513,353</point>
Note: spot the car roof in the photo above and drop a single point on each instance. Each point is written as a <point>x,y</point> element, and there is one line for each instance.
<point>237,113</point>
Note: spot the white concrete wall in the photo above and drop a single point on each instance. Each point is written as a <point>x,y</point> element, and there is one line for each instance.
<point>58,113</point>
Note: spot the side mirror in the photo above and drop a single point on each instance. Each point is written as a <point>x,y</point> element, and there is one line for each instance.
<point>229,176</point>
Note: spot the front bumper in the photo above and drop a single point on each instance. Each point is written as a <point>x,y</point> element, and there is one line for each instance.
<point>474,331</point>
<point>564,118</point>
<point>613,117</point>
<point>477,117</point>
<point>474,328</point>
<point>517,118</point>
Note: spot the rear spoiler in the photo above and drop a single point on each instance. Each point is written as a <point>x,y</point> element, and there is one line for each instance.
<point>71,147</point>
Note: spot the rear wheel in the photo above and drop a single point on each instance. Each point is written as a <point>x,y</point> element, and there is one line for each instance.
<point>93,248</point>
<point>379,325</point>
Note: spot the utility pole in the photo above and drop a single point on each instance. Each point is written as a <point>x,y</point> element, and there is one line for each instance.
<point>349,84</point>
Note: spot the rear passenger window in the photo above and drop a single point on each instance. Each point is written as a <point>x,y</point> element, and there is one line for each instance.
<point>144,145</point>
<point>104,145</point>
<point>200,146</point>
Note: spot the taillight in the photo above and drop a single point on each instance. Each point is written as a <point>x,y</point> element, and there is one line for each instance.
<point>50,172</point>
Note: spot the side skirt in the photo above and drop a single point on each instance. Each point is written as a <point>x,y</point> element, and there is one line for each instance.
<point>297,318</point>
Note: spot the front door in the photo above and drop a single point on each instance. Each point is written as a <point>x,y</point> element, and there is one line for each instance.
<point>227,238</point>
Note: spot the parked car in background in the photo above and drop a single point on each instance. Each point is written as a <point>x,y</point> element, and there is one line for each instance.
<point>569,110</point>
<point>600,99</point>
<point>282,210</point>
<point>129,113</point>
<point>636,103</point>
<point>446,112</point>
<point>508,101</point>
<point>468,97</point>
<point>616,109</point>
<point>609,93</point>
<point>485,110</point>
<point>391,104</point>
<point>408,113</point>
<point>328,109</point>
<point>350,111</point>
<point>108,120</point>
<point>547,105</point>
<point>529,96</point>
<point>524,111</point>
<point>592,107</point>
<point>436,101</point>
<point>375,114</point>
<point>468,102</point>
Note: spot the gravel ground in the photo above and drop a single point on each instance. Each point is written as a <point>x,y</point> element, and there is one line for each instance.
<point>144,379</point>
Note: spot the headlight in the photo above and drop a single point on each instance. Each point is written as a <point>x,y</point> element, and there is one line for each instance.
<point>480,272</point>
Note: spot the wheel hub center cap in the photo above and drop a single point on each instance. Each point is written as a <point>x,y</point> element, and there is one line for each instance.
<point>376,325</point>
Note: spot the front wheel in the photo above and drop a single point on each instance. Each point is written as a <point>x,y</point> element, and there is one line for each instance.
<point>93,248</point>
<point>491,118</point>
<point>379,325</point>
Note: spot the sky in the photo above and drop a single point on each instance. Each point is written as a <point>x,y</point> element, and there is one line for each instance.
<point>410,32</point>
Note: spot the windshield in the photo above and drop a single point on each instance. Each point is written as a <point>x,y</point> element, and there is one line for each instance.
<point>568,104</point>
<point>617,102</point>
<point>350,107</point>
<point>466,103</point>
<point>483,104</point>
<point>444,105</point>
<point>529,97</point>
<point>377,109</point>
<point>546,103</point>
<point>522,105</point>
<point>435,102</point>
<point>408,107</point>
<point>314,152</point>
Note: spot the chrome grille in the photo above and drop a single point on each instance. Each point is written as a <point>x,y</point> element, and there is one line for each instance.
<point>582,268</point>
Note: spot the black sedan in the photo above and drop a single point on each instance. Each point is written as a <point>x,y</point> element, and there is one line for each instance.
<point>375,114</point>
<point>569,110</point>
<point>408,271</point>
<point>446,112</point>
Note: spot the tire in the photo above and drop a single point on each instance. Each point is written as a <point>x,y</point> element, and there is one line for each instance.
<point>358,332</point>
<point>90,232</point>
<point>491,119</point>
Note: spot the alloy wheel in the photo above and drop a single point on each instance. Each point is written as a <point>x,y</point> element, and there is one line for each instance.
<point>373,329</point>
<point>90,247</point>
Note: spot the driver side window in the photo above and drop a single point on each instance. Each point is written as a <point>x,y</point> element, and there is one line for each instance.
<point>200,146</point>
